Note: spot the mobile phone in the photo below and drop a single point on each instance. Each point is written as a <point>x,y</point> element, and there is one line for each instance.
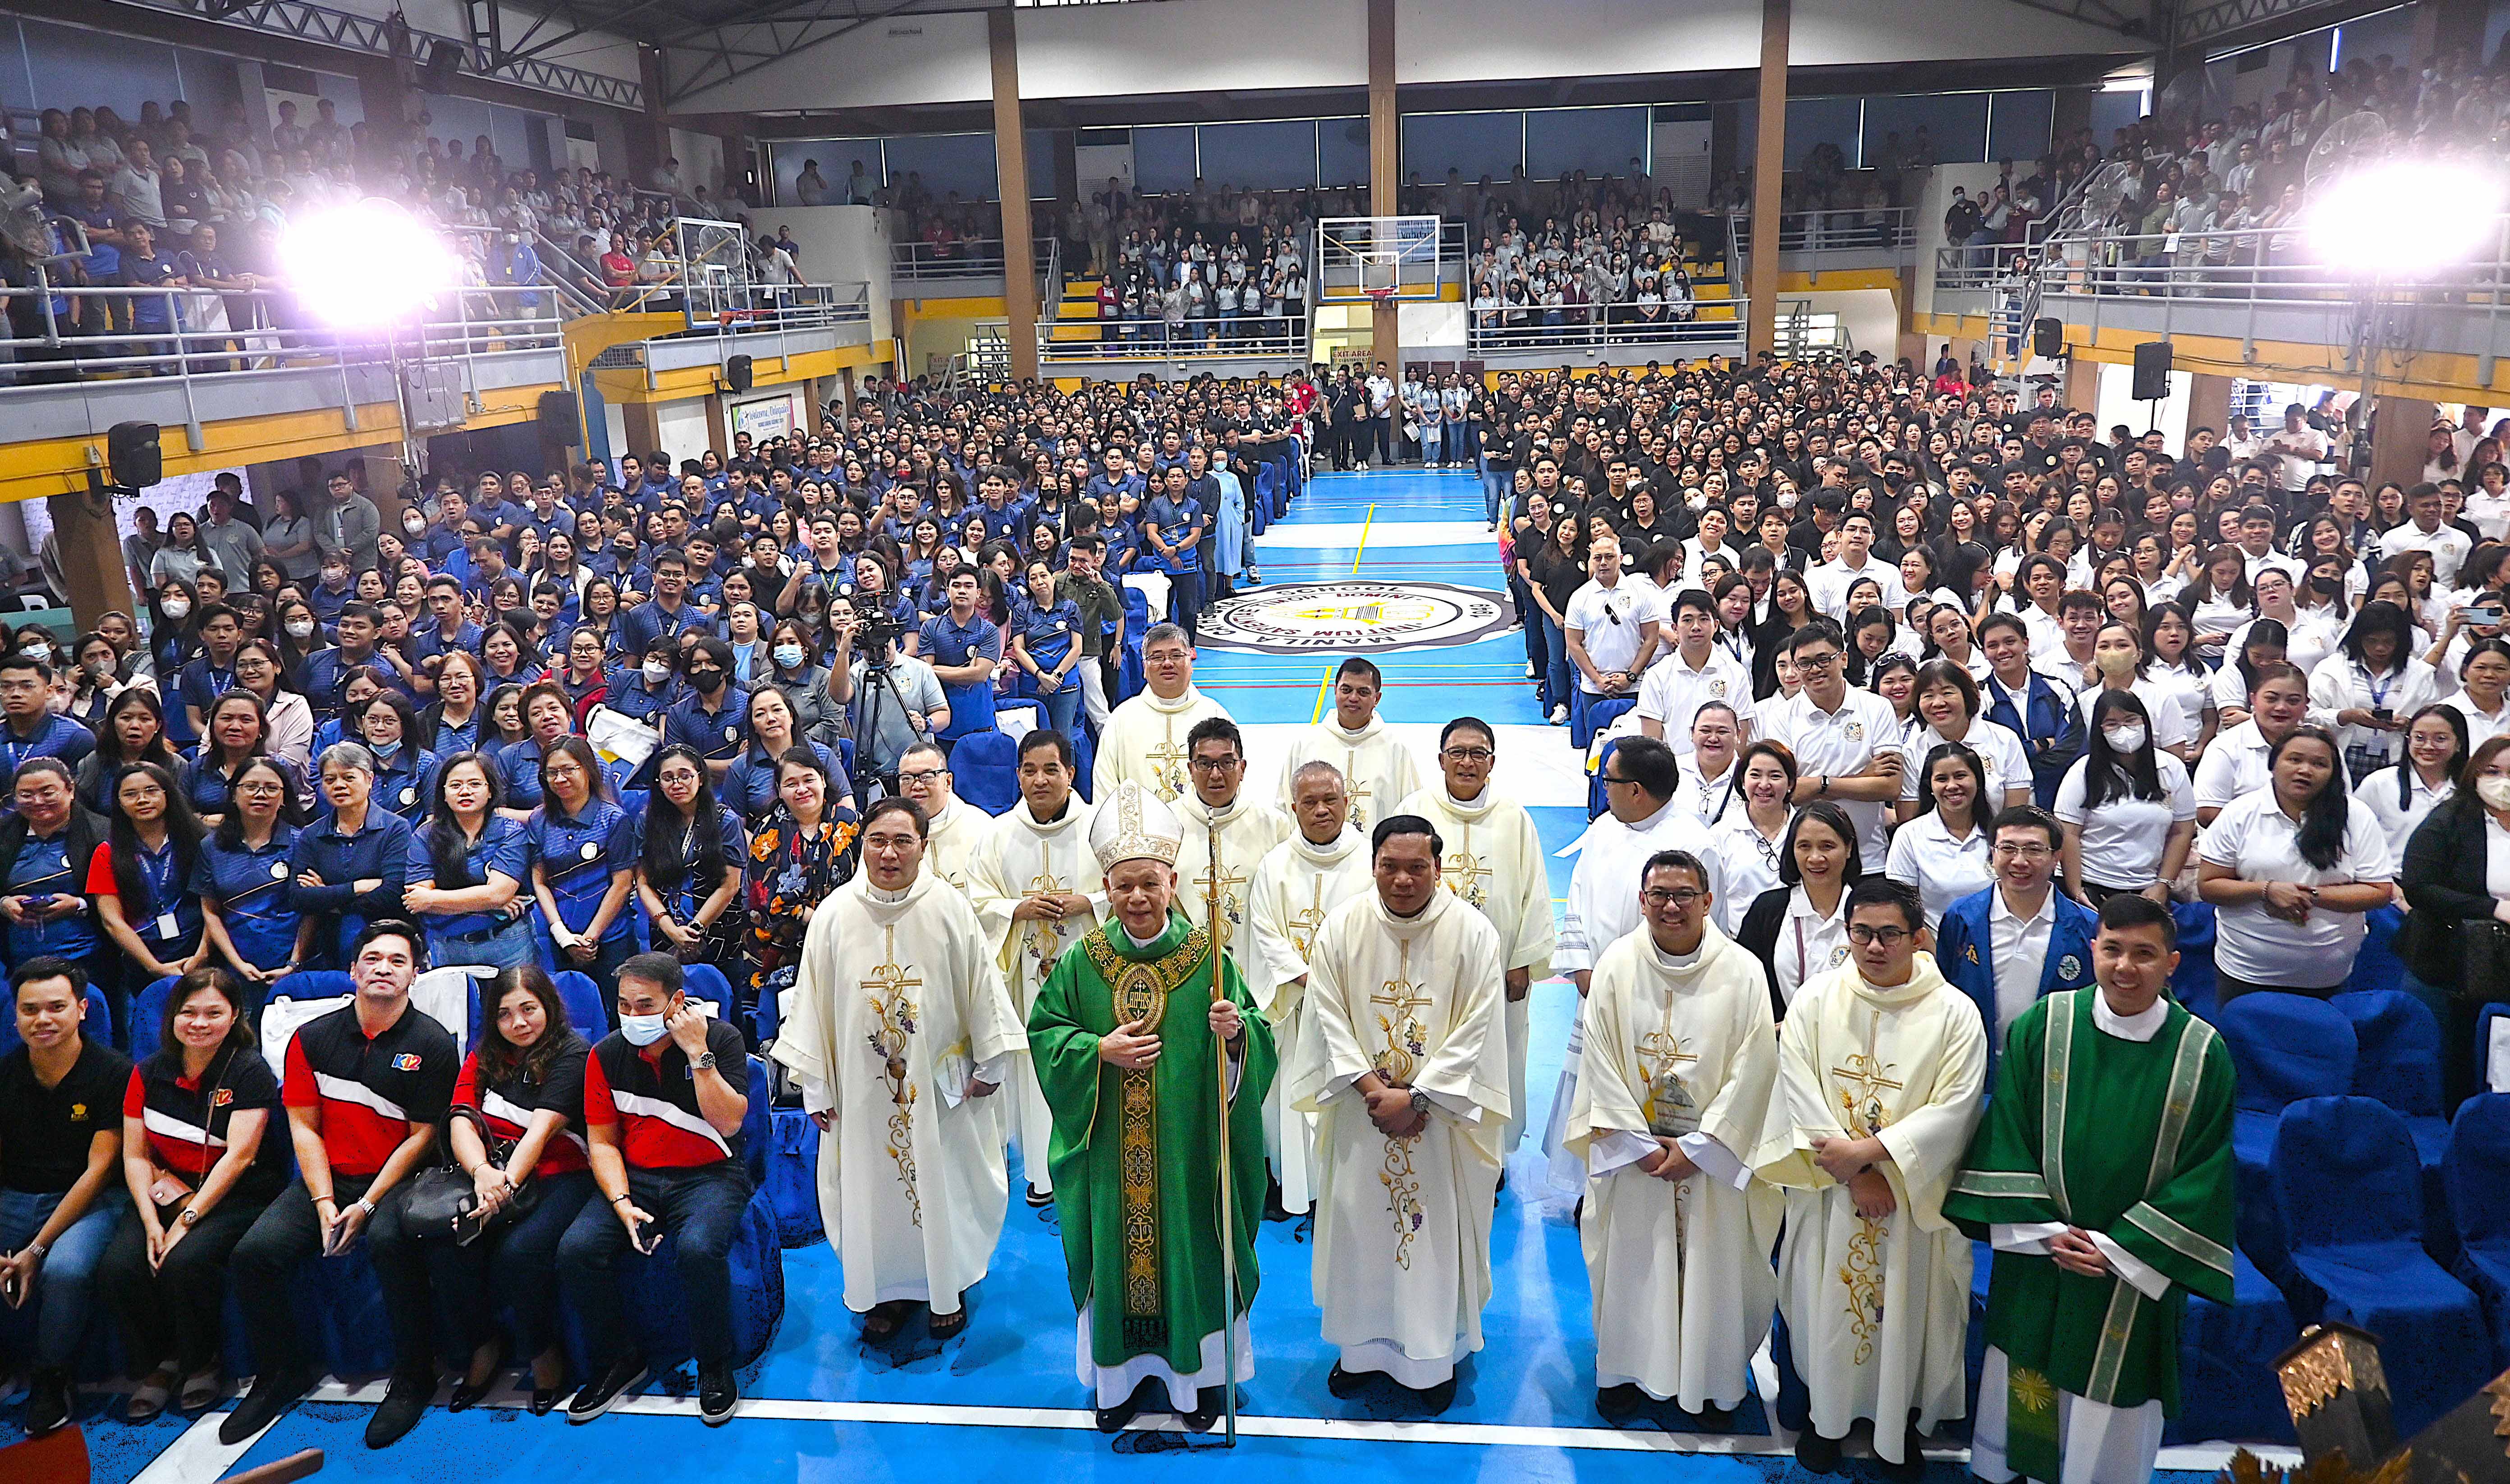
<point>2487,615</point>
<point>647,1237</point>
<point>2383,713</point>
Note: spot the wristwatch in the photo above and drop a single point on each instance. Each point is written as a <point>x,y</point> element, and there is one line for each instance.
<point>704,1063</point>
<point>1419,1103</point>
<point>188,1217</point>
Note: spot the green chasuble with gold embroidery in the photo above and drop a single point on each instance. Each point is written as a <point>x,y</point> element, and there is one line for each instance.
<point>2131,1140</point>
<point>1135,1153</point>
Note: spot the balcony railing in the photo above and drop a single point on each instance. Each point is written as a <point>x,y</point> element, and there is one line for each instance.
<point>1484,331</point>
<point>915,262</point>
<point>1242,338</point>
<point>2268,265</point>
<point>1851,229</point>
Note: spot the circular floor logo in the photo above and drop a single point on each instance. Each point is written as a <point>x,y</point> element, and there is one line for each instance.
<point>1354,617</point>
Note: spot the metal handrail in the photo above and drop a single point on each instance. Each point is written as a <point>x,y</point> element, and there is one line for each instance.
<point>915,261</point>
<point>1594,334</point>
<point>2264,264</point>
<point>1847,229</point>
<point>1243,337</point>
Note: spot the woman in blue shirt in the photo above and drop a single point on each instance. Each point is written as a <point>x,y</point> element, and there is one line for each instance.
<point>242,878</point>
<point>688,876</point>
<point>452,721</point>
<point>405,773</point>
<point>239,733</point>
<point>749,786</point>
<point>45,848</point>
<point>134,732</point>
<point>547,717</point>
<point>466,871</point>
<point>584,862</point>
<point>141,878</point>
<point>1044,645</point>
<point>350,863</point>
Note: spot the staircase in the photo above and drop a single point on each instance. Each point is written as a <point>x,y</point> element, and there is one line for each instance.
<point>1075,318</point>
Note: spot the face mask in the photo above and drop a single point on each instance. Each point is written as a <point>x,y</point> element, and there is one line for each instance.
<point>2327,587</point>
<point>176,608</point>
<point>788,656</point>
<point>99,667</point>
<point>2116,662</point>
<point>384,752</point>
<point>708,683</point>
<point>641,1030</point>
<point>414,527</point>
<point>657,674</point>
<point>2493,791</point>
<point>41,653</point>
<point>333,577</point>
<point>2126,739</point>
<point>300,629</point>
<point>1786,500</point>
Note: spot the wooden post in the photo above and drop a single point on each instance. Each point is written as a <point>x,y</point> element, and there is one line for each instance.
<point>1011,171</point>
<point>91,548</point>
<point>1769,175</point>
<point>1385,165</point>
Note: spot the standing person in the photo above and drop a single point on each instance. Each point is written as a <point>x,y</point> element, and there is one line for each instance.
<point>2034,708</point>
<point>2369,688</point>
<point>688,866</point>
<point>202,1152</point>
<point>140,879</point>
<point>900,1026</point>
<point>2129,1096</point>
<point>2234,765</point>
<point>1495,863</point>
<point>1845,743</point>
<point>365,1087</point>
<point>2290,870</point>
<point>664,1099</point>
<point>1613,628</point>
<point>1226,834</point>
<point>1100,614</point>
<point>804,850</point>
<point>1114,1007</point>
<point>1144,741</point>
<point>583,858</point>
<point>2021,939</point>
<point>1174,523</point>
<point>1377,769</point>
<point>1405,1067</point>
<point>954,829</point>
<point>1750,834</point>
<point>60,1152</point>
<point>2403,794</point>
<point>2473,825</point>
<point>1697,673</point>
<point>1297,885</point>
<point>1045,644</point>
<point>2128,808</point>
<point>466,873</point>
<point>1943,850</point>
<point>1797,929</point>
<point>1880,1064</point>
<point>242,879</point>
<point>1675,1088</point>
<point>1036,890</point>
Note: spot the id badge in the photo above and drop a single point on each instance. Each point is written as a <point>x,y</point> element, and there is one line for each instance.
<point>166,928</point>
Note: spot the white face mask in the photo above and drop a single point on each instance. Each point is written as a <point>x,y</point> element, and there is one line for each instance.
<point>300,629</point>
<point>176,608</point>
<point>655,674</point>
<point>641,1030</point>
<point>788,656</point>
<point>2126,739</point>
<point>2493,791</point>
<point>41,653</point>
<point>414,527</point>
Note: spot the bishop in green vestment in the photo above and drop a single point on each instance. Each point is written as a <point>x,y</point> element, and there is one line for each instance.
<point>1122,1037</point>
<point>2102,1176</point>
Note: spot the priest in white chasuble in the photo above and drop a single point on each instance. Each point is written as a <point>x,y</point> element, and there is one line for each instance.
<point>1495,863</point>
<point>1323,864</point>
<point>1405,1067</point>
<point>1141,1063</point>
<point>900,1029</point>
<point>1227,835</point>
<point>1880,1065</point>
<point>959,828</point>
<point>1037,888</point>
<point>1675,1088</point>
<point>1377,771</point>
<point>1144,739</point>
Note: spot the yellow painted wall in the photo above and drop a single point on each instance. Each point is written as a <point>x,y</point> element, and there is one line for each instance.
<point>2448,378</point>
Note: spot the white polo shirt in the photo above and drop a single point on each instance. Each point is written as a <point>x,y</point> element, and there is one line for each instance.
<point>1998,748</point>
<point>1944,870</point>
<point>1841,744</point>
<point>1610,619</point>
<point>2169,723</point>
<point>1830,581</point>
<point>1671,693</point>
<point>2401,812</point>
<point>2256,838</point>
<point>2018,955</point>
<point>2234,764</point>
<point>2448,546</point>
<point>1809,944</point>
<point>2122,840</point>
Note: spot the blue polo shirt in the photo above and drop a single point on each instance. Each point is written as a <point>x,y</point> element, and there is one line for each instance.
<point>201,684</point>
<point>1050,632</point>
<point>750,785</point>
<point>649,620</point>
<point>380,852</point>
<point>43,869</point>
<point>501,846</point>
<point>167,916</point>
<point>326,678</point>
<point>946,641</point>
<point>327,603</point>
<point>519,771</point>
<point>1174,520</point>
<point>427,643</point>
<point>250,888</point>
<point>578,856</point>
<point>450,738</point>
<point>1010,523</point>
<point>406,784</point>
<point>630,697</point>
<point>54,735</point>
<point>207,786</point>
<point>716,734</point>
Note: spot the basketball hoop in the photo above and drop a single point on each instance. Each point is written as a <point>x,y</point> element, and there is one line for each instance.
<point>1378,299</point>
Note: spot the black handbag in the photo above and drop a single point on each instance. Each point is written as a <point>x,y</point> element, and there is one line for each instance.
<point>443,1200</point>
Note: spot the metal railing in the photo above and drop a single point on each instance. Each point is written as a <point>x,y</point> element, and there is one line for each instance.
<point>1848,229</point>
<point>93,333</point>
<point>2268,265</point>
<point>912,262</point>
<point>1244,337</point>
<point>1622,326</point>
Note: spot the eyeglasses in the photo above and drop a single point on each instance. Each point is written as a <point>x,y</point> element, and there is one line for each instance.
<point>928,775</point>
<point>261,790</point>
<point>1678,896</point>
<point>2022,852</point>
<point>1470,754</point>
<point>1215,764</point>
<point>1831,657</point>
<point>1863,933</point>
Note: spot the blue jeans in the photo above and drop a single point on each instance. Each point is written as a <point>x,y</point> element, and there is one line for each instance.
<point>1063,705</point>
<point>1559,675</point>
<point>1429,441</point>
<point>1496,485</point>
<point>66,1281</point>
<point>510,946</point>
<point>702,1208</point>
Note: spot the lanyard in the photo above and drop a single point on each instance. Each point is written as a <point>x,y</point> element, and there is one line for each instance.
<point>13,752</point>
<point>2380,687</point>
<point>158,870</point>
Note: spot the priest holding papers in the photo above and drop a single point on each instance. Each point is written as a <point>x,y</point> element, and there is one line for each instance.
<point>2103,1177</point>
<point>1296,888</point>
<point>1880,1064</point>
<point>1036,888</point>
<point>900,1026</point>
<point>1680,1062</point>
<point>1144,739</point>
<point>1405,1066</point>
<point>1377,771</point>
<point>1141,1062</point>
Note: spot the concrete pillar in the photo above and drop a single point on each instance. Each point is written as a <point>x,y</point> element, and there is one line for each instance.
<point>1769,174</point>
<point>2449,26</point>
<point>91,549</point>
<point>649,138</point>
<point>1010,174</point>
<point>644,428</point>
<point>2209,403</point>
<point>2400,439</point>
<point>1385,163</point>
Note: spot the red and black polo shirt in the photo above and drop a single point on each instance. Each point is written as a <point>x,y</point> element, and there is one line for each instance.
<point>372,1092</point>
<point>186,1121</point>
<point>509,1105</point>
<point>652,1095</point>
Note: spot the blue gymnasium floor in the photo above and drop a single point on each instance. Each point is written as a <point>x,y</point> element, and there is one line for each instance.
<point>1003,1401</point>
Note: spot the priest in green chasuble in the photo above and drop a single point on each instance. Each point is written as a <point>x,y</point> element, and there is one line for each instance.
<point>1126,1038</point>
<point>2102,1176</point>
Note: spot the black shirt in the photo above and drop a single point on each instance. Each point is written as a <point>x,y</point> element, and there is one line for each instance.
<point>186,1122</point>
<point>372,1092</point>
<point>44,1132</point>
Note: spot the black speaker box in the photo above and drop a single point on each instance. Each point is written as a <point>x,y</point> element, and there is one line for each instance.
<point>560,423</point>
<point>2048,338</point>
<point>2152,370</point>
<point>133,457</point>
<point>443,60</point>
<point>735,372</point>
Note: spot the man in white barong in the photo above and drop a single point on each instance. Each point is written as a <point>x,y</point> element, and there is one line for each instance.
<point>900,1027</point>
<point>1144,739</point>
<point>1495,863</point>
<point>1881,1066</point>
<point>1680,1061</point>
<point>1037,888</point>
<point>1297,885</point>
<point>1406,1070</point>
<point>1227,835</point>
<point>1642,781</point>
<point>958,828</point>
<point>1377,770</point>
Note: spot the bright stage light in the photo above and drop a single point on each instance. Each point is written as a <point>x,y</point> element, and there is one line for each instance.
<point>369,263</point>
<point>2403,218</point>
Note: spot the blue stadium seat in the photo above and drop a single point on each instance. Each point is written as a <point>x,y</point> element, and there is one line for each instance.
<point>704,982</point>
<point>98,1024</point>
<point>1596,802</point>
<point>2377,966</point>
<point>1084,757</point>
<point>2227,1376</point>
<point>2478,1152</point>
<point>2193,984</point>
<point>1137,627</point>
<point>1588,715</point>
<point>2398,1062</point>
<point>793,1181</point>
<point>2286,1047</point>
<point>588,1004</point>
<point>1264,502</point>
<point>2348,1188</point>
<point>985,771</point>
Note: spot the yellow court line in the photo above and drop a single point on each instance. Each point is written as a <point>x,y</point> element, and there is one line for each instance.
<point>1362,549</point>
<point>1324,687</point>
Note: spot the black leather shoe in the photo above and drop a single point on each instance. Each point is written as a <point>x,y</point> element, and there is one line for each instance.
<point>544,1399</point>
<point>1205,1415</point>
<point>1816,1454</point>
<point>1618,1404</point>
<point>1118,1418</point>
<point>598,1394</point>
<point>718,1393</point>
<point>405,1403</point>
<point>1345,1384</point>
<point>272,1393</point>
<point>1436,1401</point>
<point>1912,1458</point>
<point>1715,1418</point>
<point>48,1401</point>
<point>1039,1199</point>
